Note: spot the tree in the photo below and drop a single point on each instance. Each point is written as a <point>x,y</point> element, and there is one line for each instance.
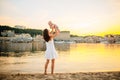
<point>32,32</point>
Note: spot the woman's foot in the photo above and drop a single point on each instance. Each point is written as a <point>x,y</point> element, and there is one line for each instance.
<point>45,73</point>
<point>52,73</point>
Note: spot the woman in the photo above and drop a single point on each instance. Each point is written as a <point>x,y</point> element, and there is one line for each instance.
<point>50,53</point>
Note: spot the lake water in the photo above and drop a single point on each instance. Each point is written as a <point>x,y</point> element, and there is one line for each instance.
<point>80,57</point>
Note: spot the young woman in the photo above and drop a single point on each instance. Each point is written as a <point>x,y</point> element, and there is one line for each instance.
<point>50,53</point>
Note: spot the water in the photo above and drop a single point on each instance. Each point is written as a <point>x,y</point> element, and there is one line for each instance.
<point>80,57</point>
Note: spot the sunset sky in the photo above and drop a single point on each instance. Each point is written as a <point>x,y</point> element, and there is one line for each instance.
<point>80,17</point>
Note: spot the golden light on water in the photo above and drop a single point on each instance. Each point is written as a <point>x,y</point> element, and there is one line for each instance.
<point>81,57</point>
<point>96,56</point>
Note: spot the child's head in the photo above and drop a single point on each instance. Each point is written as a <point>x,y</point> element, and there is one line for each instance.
<point>50,24</point>
<point>46,35</point>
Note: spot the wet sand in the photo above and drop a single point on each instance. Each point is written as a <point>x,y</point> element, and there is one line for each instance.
<point>62,76</point>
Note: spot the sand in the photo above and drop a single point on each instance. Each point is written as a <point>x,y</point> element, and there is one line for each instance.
<point>62,76</point>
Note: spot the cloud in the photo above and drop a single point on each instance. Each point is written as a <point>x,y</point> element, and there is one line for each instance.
<point>7,7</point>
<point>5,20</point>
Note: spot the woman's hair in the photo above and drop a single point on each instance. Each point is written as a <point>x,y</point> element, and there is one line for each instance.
<point>46,35</point>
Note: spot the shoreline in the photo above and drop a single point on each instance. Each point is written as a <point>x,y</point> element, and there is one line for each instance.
<point>112,75</point>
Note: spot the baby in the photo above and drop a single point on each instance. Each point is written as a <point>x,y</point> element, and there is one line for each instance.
<point>52,26</point>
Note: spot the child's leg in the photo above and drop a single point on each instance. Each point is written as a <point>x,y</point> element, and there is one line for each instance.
<point>52,66</point>
<point>46,65</point>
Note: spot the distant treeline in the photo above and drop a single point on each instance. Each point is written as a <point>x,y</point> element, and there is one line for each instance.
<point>32,32</point>
<point>74,35</point>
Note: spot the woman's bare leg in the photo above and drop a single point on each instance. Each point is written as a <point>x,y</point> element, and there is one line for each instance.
<point>46,65</point>
<point>52,66</point>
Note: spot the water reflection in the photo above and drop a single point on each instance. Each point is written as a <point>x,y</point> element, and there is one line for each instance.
<point>81,57</point>
<point>62,46</point>
<point>19,49</point>
<point>15,47</point>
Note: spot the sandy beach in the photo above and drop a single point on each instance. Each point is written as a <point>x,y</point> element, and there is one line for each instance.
<point>62,76</point>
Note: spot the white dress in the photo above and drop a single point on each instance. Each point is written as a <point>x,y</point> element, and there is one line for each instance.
<point>50,52</point>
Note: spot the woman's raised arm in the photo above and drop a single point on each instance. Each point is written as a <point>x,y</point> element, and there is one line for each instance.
<point>57,31</point>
